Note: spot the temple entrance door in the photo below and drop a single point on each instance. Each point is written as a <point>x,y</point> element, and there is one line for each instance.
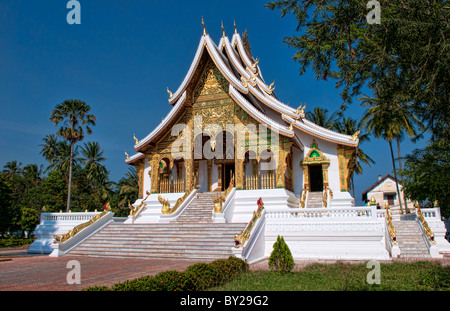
<point>315,177</point>
<point>228,171</point>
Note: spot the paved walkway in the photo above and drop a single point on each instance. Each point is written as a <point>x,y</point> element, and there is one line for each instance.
<point>22,272</point>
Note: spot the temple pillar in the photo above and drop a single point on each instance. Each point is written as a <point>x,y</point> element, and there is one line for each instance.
<point>154,173</point>
<point>189,173</point>
<point>239,173</point>
<point>285,148</point>
<point>345,155</point>
<point>209,172</point>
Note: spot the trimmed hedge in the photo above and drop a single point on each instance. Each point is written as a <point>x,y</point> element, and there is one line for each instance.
<point>197,277</point>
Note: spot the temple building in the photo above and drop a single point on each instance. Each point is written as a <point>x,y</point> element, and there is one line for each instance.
<point>226,121</point>
<point>229,169</point>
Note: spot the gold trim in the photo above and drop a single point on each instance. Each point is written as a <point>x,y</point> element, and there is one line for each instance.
<point>74,231</point>
<point>239,240</point>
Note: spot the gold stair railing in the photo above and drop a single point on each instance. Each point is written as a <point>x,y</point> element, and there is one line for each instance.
<point>326,191</point>
<point>243,237</point>
<point>135,210</point>
<point>166,210</point>
<point>78,228</point>
<point>391,228</point>
<point>302,198</point>
<point>220,198</point>
<point>423,222</point>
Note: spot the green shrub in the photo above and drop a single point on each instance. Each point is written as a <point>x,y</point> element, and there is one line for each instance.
<point>196,277</point>
<point>145,283</point>
<point>13,241</point>
<point>171,280</point>
<point>281,259</point>
<point>97,289</point>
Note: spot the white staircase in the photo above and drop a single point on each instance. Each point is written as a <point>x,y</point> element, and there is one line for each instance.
<point>192,236</point>
<point>410,239</point>
<point>315,199</point>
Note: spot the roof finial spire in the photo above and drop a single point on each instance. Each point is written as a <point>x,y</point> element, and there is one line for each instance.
<point>223,30</point>
<point>235,29</point>
<point>204,29</point>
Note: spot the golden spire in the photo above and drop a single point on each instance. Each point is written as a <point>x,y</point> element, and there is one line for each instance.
<point>235,29</point>
<point>291,127</point>
<point>169,92</point>
<point>271,88</point>
<point>223,30</point>
<point>355,136</point>
<point>135,139</point>
<point>256,63</point>
<point>204,29</point>
<point>126,154</point>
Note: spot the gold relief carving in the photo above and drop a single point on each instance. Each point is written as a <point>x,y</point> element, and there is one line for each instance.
<point>211,81</point>
<point>239,168</point>
<point>345,156</point>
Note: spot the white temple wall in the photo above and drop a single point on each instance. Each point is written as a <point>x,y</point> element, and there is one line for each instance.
<point>147,178</point>
<point>297,170</point>
<point>215,175</point>
<point>203,175</point>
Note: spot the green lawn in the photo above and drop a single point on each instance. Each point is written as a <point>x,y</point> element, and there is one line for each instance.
<point>397,276</point>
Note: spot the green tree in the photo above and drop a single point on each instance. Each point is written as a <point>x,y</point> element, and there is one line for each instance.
<point>74,114</point>
<point>50,193</point>
<point>410,46</point>
<point>426,176</point>
<point>5,205</point>
<point>11,169</point>
<point>389,117</point>
<point>92,159</point>
<point>281,259</point>
<point>50,147</point>
<point>127,192</point>
<point>320,117</point>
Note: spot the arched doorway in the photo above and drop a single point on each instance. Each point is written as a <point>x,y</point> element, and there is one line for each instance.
<point>315,169</point>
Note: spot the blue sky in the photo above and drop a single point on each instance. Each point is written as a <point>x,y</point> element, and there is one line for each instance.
<point>121,59</point>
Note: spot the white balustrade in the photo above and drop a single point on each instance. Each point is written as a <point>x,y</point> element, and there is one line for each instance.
<point>351,212</point>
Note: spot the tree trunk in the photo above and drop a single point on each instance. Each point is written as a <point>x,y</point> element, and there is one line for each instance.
<point>399,153</point>
<point>396,180</point>
<point>401,168</point>
<point>70,178</point>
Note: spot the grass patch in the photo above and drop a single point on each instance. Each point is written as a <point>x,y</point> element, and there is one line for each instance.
<point>14,242</point>
<point>396,276</point>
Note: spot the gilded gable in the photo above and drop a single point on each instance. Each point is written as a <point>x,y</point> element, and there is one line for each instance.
<point>211,81</point>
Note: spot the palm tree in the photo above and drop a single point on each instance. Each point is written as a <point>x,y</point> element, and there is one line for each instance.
<point>50,147</point>
<point>91,160</point>
<point>388,116</point>
<point>320,117</point>
<point>348,126</point>
<point>74,114</point>
<point>61,161</point>
<point>128,186</point>
<point>12,168</point>
<point>32,172</point>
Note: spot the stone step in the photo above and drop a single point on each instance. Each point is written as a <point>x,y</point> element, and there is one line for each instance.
<point>192,236</point>
<point>409,238</point>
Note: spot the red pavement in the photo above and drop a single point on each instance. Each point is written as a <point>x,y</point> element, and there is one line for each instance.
<point>22,272</point>
<point>43,273</point>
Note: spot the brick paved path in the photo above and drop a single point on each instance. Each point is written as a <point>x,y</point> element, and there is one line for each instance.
<point>43,273</point>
